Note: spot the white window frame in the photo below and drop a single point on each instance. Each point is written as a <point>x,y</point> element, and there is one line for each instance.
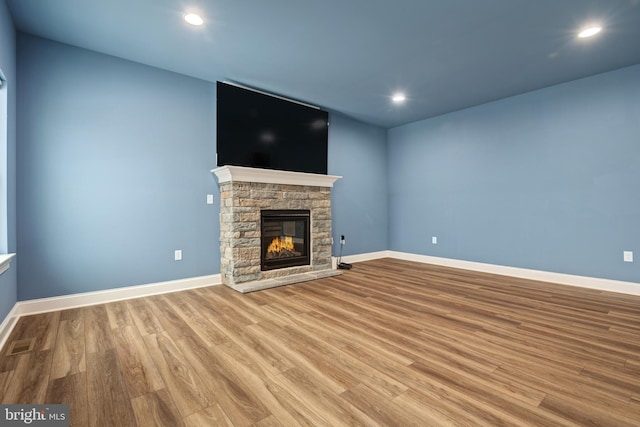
<point>5,259</point>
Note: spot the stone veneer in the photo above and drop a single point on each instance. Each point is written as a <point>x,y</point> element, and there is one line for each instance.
<point>240,204</point>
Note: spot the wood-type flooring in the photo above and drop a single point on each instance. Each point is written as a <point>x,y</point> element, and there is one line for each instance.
<point>390,343</point>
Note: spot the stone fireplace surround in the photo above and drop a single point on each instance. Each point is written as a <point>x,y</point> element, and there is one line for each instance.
<point>244,192</point>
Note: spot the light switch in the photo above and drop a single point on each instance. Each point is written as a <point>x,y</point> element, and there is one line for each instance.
<point>209,199</point>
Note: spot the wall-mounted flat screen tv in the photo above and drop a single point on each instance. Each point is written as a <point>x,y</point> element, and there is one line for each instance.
<point>258,130</point>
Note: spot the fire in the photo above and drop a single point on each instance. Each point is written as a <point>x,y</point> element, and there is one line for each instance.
<point>279,245</point>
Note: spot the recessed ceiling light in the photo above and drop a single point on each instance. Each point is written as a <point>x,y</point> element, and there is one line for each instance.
<point>590,31</point>
<point>194,19</point>
<point>398,97</point>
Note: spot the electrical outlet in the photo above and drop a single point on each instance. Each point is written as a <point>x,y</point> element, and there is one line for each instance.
<point>342,240</point>
<point>177,255</point>
<point>627,256</point>
<point>209,199</point>
<point>434,240</point>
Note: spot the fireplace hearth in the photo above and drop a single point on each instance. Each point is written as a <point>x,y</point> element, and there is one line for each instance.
<point>284,239</point>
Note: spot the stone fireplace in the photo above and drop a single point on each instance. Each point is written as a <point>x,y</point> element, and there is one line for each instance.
<point>258,205</point>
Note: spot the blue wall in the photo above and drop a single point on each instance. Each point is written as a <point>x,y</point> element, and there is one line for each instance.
<point>113,172</point>
<point>113,167</point>
<point>8,280</point>
<point>357,151</point>
<point>546,180</point>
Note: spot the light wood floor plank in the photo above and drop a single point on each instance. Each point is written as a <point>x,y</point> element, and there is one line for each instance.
<point>186,388</point>
<point>174,326</point>
<point>156,409</point>
<point>139,371</point>
<point>384,412</point>
<point>236,399</point>
<point>210,416</point>
<point>389,343</point>
<point>71,390</point>
<point>5,380</point>
<point>69,356</point>
<point>197,321</point>
<point>97,331</point>
<point>334,410</point>
<point>272,361</point>
<point>259,382</point>
<point>118,314</point>
<point>107,394</point>
<point>430,414</point>
<point>591,414</point>
<point>142,315</point>
<point>29,381</point>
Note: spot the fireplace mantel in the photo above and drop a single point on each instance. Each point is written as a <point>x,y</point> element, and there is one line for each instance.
<point>270,176</point>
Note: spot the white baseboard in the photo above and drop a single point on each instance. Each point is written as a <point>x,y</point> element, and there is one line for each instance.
<point>64,302</point>
<point>7,326</point>
<point>43,305</point>
<point>367,257</point>
<point>630,288</point>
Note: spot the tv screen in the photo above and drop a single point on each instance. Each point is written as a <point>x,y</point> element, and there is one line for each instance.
<point>263,131</point>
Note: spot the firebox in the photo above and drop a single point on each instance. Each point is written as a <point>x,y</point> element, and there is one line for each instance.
<point>284,238</point>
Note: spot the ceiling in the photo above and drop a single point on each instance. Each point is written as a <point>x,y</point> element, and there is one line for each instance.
<point>351,55</point>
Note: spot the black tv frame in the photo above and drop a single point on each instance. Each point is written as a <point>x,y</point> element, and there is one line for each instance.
<point>262,130</point>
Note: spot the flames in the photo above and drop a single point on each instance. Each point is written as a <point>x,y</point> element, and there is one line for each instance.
<point>279,245</point>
